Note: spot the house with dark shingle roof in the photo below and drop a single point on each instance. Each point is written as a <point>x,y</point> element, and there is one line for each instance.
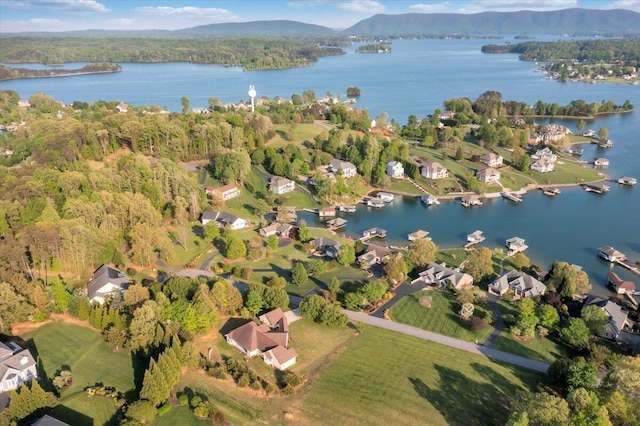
<point>269,339</point>
<point>106,281</point>
<point>224,219</point>
<point>520,284</point>
<point>327,246</point>
<point>617,317</point>
<point>442,275</point>
<point>17,366</point>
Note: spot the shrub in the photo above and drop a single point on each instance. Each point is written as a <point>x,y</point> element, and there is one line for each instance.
<point>478,323</point>
<point>255,385</point>
<point>268,388</point>
<point>131,271</point>
<point>164,408</point>
<point>246,272</point>
<point>243,381</point>
<point>183,399</point>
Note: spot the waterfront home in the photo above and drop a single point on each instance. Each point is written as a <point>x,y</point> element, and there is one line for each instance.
<point>374,254</point>
<point>515,245</point>
<point>418,235</point>
<point>387,197</point>
<point>17,366</point>
<point>225,193</point>
<point>544,153</point>
<point>434,170</point>
<point>374,232</point>
<point>345,168</point>
<point>543,165</point>
<point>617,317</point>
<point>326,246</point>
<point>106,281</point>
<point>122,107</point>
<point>488,175</point>
<point>447,115</point>
<point>326,212</point>
<point>600,161</point>
<point>395,169</point>
<point>610,254</point>
<point>279,229</point>
<point>24,103</point>
<point>281,185</point>
<point>619,285</point>
<point>553,132</point>
<point>442,275</point>
<point>492,159</point>
<point>224,219</point>
<point>268,340</point>
<point>470,200</point>
<point>519,283</point>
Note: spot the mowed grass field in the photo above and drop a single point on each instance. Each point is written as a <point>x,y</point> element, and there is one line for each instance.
<point>373,376</point>
<point>441,318</point>
<point>90,360</point>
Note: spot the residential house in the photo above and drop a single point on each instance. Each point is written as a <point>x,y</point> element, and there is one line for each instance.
<point>488,175</point>
<point>326,246</point>
<point>374,254</point>
<point>418,235</point>
<point>553,132</point>
<point>520,284</point>
<point>617,317</point>
<point>17,366</point>
<point>268,340</point>
<point>515,245</point>
<point>224,219</point>
<point>106,281</point>
<point>619,285</point>
<point>544,160</point>
<point>226,192</point>
<point>122,107</point>
<point>492,159</point>
<point>434,170</point>
<point>47,420</point>
<point>442,275</point>
<point>282,230</point>
<point>610,254</point>
<point>345,168</point>
<point>24,103</point>
<point>395,169</point>
<point>281,185</point>
<point>447,115</point>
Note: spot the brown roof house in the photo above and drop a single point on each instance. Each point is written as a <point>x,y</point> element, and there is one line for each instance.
<point>268,340</point>
<point>17,366</point>
<point>619,285</point>
<point>442,275</point>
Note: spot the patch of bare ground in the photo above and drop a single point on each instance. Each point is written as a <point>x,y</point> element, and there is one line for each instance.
<point>20,328</point>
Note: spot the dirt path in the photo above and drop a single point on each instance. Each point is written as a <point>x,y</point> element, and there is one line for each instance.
<point>20,328</point>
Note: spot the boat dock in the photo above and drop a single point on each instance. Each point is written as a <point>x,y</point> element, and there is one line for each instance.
<point>626,180</point>
<point>551,191</point>
<point>511,197</point>
<point>347,209</point>
<point>375,203</point>
<point>474,238</point>
<point>471,200</point>
<point>598,188</point>
<point>373,233</point>
<point>429,200</point>
<point>336,223</point>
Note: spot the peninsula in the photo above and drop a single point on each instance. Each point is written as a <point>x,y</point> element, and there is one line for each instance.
<point>7,73</point>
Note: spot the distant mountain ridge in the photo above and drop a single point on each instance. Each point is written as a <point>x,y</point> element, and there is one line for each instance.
<point>567,21</point>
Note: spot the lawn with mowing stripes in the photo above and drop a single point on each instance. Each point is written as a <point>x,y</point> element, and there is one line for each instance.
<point>386,378</point>
<point>179,416</point>
<point>90,360</point>
<point>441,318</point>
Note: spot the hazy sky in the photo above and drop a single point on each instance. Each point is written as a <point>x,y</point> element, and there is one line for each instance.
<point>66,15</point>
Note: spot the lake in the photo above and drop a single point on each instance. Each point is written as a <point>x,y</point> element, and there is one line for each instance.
<point>414,79</point>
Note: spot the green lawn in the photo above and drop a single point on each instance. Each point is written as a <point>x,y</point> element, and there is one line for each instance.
<point>452,257</point>
<point>374,377</point>
<point>195,247</point>
<point>441,318</point>
<point>403,186</point>
<point>90,361</point>
<point>298,198</point>
<point>182,416</point>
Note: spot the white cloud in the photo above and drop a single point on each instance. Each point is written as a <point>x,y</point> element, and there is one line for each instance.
<point>59,5</point>
<point>188,12</point>
<point>476,6</point>
<point>43,22</point>
<point>361,6</point>
<point>623,4</point>
<point>431,8</point>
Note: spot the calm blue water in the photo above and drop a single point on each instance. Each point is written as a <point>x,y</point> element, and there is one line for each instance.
<point>414,79</point>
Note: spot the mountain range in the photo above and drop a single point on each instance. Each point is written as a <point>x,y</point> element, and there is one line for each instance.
<point>567,21</point>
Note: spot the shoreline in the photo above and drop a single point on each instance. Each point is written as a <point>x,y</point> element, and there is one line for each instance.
<point>67,74</point>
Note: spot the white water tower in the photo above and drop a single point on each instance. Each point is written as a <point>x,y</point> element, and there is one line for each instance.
<point>252,95</point>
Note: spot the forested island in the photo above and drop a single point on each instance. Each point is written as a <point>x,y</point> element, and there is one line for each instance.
<point>7,73</point>
<point>374,48</point>
<point>588,60</point>
<point>84,185</point>
<point>248,53</point>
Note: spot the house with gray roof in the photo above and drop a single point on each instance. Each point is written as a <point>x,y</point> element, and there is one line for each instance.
<point>269,339</point>
<point>520,284</point>
<point>345,168</point>
<point>617,317</point>
<point>327,246</point>
<point>106,281</point>
<point>224,219</point>
<point>17,366</point>
<point>374,254</point>
<point>442,275</point>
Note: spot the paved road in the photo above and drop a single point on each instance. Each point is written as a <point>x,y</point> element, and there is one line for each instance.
<point>498,323</point>
<point>449,341</point>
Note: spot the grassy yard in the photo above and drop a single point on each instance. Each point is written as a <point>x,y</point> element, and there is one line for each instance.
<point>298,198</point>
<point>83,351</point>
<point>452,257</point>
<point>195,247</point>
<point>403,186</point>
<point>303,132</point>
<point>374,377</point>
<point>441,318</point>
<point>182,416</point>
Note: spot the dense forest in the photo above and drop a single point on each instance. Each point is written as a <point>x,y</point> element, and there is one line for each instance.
<point>625,50</point>
<point>7,73</point>
<point>251,54</point>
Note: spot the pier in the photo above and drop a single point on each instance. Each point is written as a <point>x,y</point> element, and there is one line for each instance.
<point>373,233</point>
<point>598,188</point>
<point>471,200</point>
<point>511,197</point>
<point>474,238</point>
<point>626,180</point>
<point>336,223</point>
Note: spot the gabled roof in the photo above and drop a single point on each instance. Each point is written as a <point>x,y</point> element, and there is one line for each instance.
<point>276,319</point>
<point>521,283</point>
<point>436,273</point>
<point>325,242</point>
<point>222,218</point>
<point>103,276</point>
<point>516,241</point>
<point>47,420</point>
<point>278,181</point>
<point>341,165</point>
<point>272,332</point>
<point>13,357</point>
<point>281,354</point>
<point>617,317</point>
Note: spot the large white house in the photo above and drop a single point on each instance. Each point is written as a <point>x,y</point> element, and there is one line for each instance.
<point>106,281</point>
<point>281,185</point>
<point>434,170</point>
<point>17,366</point>
<point>492,159</point>
<point>488,175</point>
<point>544,160</point>
<point>268,340</point>
<point>345,168</point>
<point>224,219</point>
<point>226,192</point>
<point>395,169</point>
<point>442,275</point>
<point>520,284</point>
